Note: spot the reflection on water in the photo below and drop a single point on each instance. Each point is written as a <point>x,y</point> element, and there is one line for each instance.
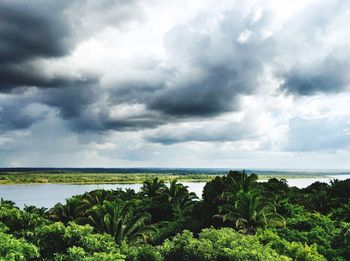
<point>47,195</point>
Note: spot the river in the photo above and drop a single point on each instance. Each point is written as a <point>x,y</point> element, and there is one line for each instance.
<point>47,195</point>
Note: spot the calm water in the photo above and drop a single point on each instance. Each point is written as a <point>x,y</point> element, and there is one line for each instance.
<point>47,195</point>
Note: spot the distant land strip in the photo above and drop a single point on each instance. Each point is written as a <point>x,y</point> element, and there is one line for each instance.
<point>131,175</point>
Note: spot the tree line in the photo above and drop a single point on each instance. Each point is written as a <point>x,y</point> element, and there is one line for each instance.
<point>237,218</point>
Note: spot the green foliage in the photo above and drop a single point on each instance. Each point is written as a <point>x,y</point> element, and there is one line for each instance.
<point>7,203</point>
<point>121,224</point>
<point>212,244</point>
<point>340,190</point>
<point>96,197</point>
<point>342,213</point>
<point>312,228</point>
<point>16,249</point>
<point>152,187</point>
<point>341,241</point>
<point>56,238</point>
<point>34,210</point>
<point>320,200</point>
<point>248,212</point>
<point>119,220</point>
<point>17,221</point>
<point>177,196</point>
<point>274,187</point>
<point>79,254</point>
<point>97,178</point>
<point>140,253</point>
<point>73,210</point>
<point>295,250</point>
<point>222,187</point>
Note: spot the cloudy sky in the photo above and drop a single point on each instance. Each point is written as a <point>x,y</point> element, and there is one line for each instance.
<point>152,83</point>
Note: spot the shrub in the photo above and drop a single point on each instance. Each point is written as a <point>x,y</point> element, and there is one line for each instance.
<point>58,239</point>
<point>295,250</point>
<point>212,244</point>
<point>16,249</point>
<point>79,254</point>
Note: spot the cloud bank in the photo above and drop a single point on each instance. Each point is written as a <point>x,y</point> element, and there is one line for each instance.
<point>130,79</point>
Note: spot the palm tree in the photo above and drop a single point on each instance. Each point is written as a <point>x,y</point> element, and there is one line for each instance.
<point>240,180</point>
<point>248,212</point>
<point>152,188</point>
<point>178,197</point>
<point>237,181</point>
<point>35,210</point>
<point>7,203</point>
<point>178,194</point>
<point>119,220</point>
<point>129,194</point>
<point>96,197</point>
<point>320,200</point>
<point>73,210</point>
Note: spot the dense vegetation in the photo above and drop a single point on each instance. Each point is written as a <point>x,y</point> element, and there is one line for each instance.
<point>236,219</point>
<point>126,176</point>
<point>95,178</point>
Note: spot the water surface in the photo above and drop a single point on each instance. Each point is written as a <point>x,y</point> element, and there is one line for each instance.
<point>47,195</point>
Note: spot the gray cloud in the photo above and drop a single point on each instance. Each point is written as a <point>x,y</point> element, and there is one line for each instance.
<point>20,110</point>
<point>203,132</point>
<point>207,97</point>
<point>206,72</point>
<point>318,134</point>
<point>86,108</point>
<point>228,67</point>
<point>312,50</point>
<point>34,30</point>
<point>329,75</point>
<point>210,63</point>
<point>30,31</point>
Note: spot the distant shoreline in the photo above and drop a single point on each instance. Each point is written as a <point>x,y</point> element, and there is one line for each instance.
<point>7,178</point>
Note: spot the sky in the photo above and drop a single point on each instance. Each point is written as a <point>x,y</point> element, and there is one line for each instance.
<point>179,83</point>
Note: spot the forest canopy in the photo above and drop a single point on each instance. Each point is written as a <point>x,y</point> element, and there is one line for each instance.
<point>237,218</point>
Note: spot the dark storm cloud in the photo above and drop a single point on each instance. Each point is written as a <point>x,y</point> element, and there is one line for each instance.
<point>208,97</point>
<point>228,67</point>
<point>71,101</point>
<point>30,76</point>
<point>34,30</point>
<point>134,92</point>
<point>87,109</point>
<point>207,72</point>
<point>15,117</point>
<point>328,76</point>
<point>78,105</point>
<point>20,111</point>
<point>210,63</point>
<point>30,31</point>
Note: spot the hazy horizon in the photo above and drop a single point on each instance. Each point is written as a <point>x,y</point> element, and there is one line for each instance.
<point>347,171</point>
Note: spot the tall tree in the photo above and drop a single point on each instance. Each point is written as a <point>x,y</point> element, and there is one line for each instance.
<point>152,188</point>
<point>119,220</point>
<point>248,212</point>
<point>73,210</point>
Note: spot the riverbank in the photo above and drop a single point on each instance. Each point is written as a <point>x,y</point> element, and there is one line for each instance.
<point>95,178</point>
<point>122,178</point>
